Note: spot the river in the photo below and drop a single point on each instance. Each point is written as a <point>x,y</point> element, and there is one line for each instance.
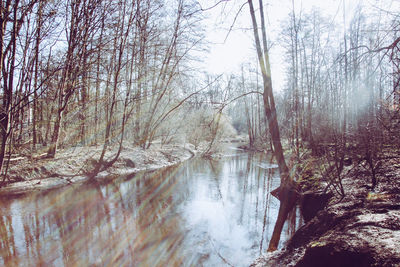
<point>199,213</point>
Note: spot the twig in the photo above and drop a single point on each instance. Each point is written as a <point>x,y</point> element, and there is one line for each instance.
<point>234,20</point>
<point>208,8</point>
<point>219,255</point>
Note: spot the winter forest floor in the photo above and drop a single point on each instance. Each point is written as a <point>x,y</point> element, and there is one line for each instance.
<point>70,166</point>
<point>362,229</point>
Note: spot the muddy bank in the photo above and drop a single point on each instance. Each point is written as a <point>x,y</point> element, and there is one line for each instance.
<point>363,229</point>
<point>70,166</point>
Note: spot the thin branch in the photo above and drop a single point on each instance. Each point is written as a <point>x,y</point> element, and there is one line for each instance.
<point>376,50</point>
<point>236,98</point>
<point>206,9</point>
<point>234,20</point>
<point>161,119</point>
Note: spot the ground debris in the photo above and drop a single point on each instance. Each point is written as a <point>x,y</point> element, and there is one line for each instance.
<point>361,230</point>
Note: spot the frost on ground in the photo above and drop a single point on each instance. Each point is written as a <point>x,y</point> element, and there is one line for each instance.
<point>361,230</point>
<point>72,165</point>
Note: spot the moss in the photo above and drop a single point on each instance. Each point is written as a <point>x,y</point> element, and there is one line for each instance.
<point>308,176</point>
<point>317,244</point>
<point>377,196</point>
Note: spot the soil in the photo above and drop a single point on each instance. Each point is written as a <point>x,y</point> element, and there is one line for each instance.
<point>362,229</point>
<point>35,172</point>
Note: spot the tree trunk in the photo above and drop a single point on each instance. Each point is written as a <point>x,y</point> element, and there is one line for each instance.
<point>287,190</point>
<point>35,81</point>
<point>288,197</point>
<point>8,79</point>
<point>54,138</point>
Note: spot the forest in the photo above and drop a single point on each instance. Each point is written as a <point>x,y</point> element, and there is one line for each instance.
<point>109,77</point>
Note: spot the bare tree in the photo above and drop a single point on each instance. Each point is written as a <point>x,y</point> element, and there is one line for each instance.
<point>81,17</point>
<point>287,194</point>
<point>12,16</point>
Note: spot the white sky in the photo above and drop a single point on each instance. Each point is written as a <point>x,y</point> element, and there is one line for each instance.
<point>227,56</point>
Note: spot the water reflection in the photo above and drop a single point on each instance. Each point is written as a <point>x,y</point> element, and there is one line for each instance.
<point>201,213</point>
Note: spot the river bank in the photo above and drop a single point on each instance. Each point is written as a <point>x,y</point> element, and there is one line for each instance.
<point>362,229</point>
<point>70,166</point>
<point>203,212</point>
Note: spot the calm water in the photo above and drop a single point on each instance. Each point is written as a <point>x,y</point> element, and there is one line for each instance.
<point>200,213</point>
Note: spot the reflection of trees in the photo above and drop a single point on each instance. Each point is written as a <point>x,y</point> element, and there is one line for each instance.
<point>245,180</point>
<point>8,251</point>
<point>267,184</point>
<point>134,221</point>
<point>249,189</point>
<point>159,234</point>
<point>97,225</point>
<point>76,219</point>
<point>216,168</point>
<point>292,222</point>
<point>32,233</point>
<point>37,235</point>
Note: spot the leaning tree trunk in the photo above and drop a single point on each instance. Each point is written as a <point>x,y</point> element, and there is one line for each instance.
<point>286,191</point>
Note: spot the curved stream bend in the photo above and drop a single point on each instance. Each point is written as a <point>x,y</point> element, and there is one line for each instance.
<point>202,212</point>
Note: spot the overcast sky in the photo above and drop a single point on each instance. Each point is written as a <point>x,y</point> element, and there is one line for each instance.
<point>227,55</point>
